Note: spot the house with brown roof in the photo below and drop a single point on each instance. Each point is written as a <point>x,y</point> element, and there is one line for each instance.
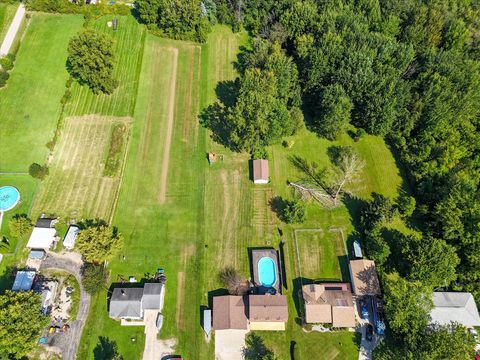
<point>329,303</point>
<point>260,171</point>
<point>229,312</point>
<point>364,277</point>
<point>267,312</point>
<point>254,312</point>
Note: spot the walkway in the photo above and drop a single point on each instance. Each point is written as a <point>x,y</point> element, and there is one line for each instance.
<point>68,342</point>
<point>12,30</point>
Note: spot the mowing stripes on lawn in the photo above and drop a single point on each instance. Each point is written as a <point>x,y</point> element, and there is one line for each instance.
<point>30,104</point>
<point>128,50</point>
<point>76,186</point>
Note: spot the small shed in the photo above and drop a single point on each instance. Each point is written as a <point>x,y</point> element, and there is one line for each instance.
<point>23,281</point>
<point>41,238</point>
<point>69,240</point>
<point>260,171</point>
<point>207,321</point>
<point>357,250</point>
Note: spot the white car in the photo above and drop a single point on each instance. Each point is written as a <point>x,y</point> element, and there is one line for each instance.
<point>474,333</point>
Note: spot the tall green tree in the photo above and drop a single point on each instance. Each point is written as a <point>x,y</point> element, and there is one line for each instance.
<point>429,260</point>
<point>91,61</point>
<point>98,243</point>
<point>19,225</point>
<point>333,112</point>
<point>407,305</point>
<point>20,323</point>
<point>258,118</point>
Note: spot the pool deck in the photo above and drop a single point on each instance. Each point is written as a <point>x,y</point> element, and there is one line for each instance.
<point>256,255</point>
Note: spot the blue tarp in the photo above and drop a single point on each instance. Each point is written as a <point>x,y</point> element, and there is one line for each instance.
<point>23,281</point>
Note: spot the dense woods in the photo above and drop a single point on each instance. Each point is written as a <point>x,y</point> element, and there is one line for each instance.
<point>408,71</point>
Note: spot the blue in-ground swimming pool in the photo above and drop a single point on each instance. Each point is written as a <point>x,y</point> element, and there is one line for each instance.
<point>9,197</point>
<point>266,271</point>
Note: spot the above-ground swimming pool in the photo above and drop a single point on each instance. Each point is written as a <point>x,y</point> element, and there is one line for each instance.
<point>9,197</point>
<point>266,271</point>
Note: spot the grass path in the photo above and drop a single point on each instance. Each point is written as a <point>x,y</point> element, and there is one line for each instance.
<point>169,133</point>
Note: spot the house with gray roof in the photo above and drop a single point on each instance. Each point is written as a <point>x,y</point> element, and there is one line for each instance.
<point>130,302</point>
<point>457,307</point>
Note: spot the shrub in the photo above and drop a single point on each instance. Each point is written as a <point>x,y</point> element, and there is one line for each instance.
<point>231,279</point>
<point>19,225</point>
<point>7,63</point>
<point>94,277</point>
<point>293,212</point>
<point>38,171</point>
<point>405,204</point>
<point>3,77</point>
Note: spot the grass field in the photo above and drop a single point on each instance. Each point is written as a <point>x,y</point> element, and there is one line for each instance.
<point>160,205</point>
<point>76,186</point>
<point>7,12</point>
<point>321,254</point>
<point>128,51</point>
<point>30,104</point>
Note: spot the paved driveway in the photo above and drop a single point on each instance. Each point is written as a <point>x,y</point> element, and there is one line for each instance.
<point>12,30</point>
<point>229,344</point>
<point>68,342</point>
<point>366,347</point>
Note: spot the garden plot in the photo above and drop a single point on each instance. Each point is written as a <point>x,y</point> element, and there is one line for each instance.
<point>76,186</point>
<point>321,254</point>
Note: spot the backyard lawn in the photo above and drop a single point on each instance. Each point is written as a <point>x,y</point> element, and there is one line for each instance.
<point>30,103</point>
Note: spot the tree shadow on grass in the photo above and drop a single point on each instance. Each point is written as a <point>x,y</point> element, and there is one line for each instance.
<point>106,349</point>
<point>214,116</point>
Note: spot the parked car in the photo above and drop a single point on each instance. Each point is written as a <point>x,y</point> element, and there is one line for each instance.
<point>364,310</point>
<point>474,333</point>
<point>369,332</point>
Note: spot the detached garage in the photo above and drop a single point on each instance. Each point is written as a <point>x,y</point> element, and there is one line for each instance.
<point>42,238</point>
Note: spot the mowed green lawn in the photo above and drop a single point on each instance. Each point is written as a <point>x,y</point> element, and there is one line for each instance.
<point>30,104</point>
<point>128,50</point>
<point>76,186</point>
<point>7,12</point>
<point>160,206</point>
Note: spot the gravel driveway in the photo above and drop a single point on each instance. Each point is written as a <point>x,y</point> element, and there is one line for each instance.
<point>68,342</point>
<point>12,30</point>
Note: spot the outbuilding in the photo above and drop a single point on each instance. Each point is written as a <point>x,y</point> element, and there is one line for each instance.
<point>260,171</point>
<point>42,238</point>
<point>364,277</point>
<point>69,240</point>
<point>23,281</point>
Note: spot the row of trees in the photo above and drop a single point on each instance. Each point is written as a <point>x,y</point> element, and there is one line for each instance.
<point>178,19</point>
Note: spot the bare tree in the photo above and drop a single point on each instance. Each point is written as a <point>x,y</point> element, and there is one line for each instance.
<point>231,279</point>
<point>327,185</point>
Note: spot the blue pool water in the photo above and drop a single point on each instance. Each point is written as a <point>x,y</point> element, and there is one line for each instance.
<point>9,197</point>
<point>266,271</point>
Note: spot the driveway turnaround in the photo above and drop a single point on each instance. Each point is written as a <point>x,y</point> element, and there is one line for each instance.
<point>68,341</point>
<point>12,30</point>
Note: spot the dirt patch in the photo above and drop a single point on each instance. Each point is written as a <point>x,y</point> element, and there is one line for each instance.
<point>179,313</point>
<point>169,134</point>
